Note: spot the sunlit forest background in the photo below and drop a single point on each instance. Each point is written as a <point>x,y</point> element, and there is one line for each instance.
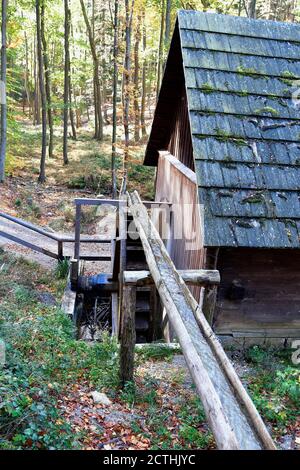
<point>92,70</point>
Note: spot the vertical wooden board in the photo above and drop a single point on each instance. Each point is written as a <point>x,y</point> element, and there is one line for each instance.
<point>128,335</point>
<point>175,186</point>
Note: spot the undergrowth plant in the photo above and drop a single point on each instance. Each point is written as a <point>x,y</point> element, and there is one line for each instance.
<point>42,360</point>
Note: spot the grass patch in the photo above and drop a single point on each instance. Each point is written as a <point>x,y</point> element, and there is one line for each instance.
<point>156,352</point>
<point>62,268</point>
<point>275,386</point>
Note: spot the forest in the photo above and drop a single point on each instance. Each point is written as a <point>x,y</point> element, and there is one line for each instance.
<point>79,85</point>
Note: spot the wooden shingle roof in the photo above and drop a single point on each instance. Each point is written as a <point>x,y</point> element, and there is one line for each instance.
<point>239,76</point>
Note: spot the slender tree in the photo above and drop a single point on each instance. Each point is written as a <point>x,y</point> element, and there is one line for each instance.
<point>97,87</point>
<point>42,175</point>
<point>47,79</point>
<point>136,81</point>
<point>160,49</point>
<point>115,92</point>
<point>66,81</point>
<point>37,106</point>
<point>252,9</point>
<point>144,71</point>
<point>126,85</point>
<point>72,117</point>
<point>168,23</point>
<point>3,90</point>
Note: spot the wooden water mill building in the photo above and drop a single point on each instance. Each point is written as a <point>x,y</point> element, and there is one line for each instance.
<point>225,140</point>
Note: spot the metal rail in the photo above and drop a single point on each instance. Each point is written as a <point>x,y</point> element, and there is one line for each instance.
<point>60,239</point>
<point>233,418</point>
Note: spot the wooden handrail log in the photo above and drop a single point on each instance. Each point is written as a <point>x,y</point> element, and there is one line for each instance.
<point>97,202</point>
<point>114,202</point>
<point>83,240</point>
<point>200,277</point>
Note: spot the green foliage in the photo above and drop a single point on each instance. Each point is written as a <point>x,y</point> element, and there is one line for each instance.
<point>42,360</point>
<point>128,393</point>
<point>193,437</point>
<point>62,268</point>
<point>275,386</point>
<point>192,413</point>
<point>156,352</point>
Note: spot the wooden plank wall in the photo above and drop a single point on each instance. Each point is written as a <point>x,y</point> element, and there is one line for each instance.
<point>180,144</point>
<point>177,184</point>
<point>259,292</point>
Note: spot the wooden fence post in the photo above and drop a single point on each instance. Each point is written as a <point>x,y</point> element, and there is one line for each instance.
<point>209,303</point>
<point>128,336</point>
<point>60,252</point>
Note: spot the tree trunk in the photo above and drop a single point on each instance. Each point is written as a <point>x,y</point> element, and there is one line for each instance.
<point>98,101</point>
<point>136,82</point>
<point>168,24</point>
<point>95,91</point>
<point>26,76</point>
<point>104,68</point>
<point>252,9</point>
<point>160,49</point>
<point>3,91</point>
<point>47,79</point>
<point>126,87</point>
<point>66,82</point>
<point>115,91</point>
<point>144,89</point>
<point>37,108</point>
<point>42,175</point>
<point>72,118</point>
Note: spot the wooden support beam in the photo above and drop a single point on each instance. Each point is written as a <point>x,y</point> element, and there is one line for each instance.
<point>201,277</point>
<point>96,258</point>
<point>128,335</point>
<point>68,301</point>
<point>74,273</point>
<point>77,232</point>
<point>60,250</point>
<point>96,202</point>
<point>209,303</point>
<point>114,314</point>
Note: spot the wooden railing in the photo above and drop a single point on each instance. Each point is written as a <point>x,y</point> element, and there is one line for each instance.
<point>59,239</point>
